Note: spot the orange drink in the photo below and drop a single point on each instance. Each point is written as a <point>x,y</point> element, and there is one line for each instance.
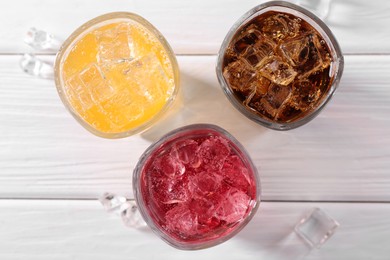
<point>116,74</point>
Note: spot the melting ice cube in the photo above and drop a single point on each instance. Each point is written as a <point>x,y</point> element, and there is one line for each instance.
<point>234,206</point>
<point>278,72</point>
<point>114,44</point>
<point>280,26</point>
<point>213,152</point>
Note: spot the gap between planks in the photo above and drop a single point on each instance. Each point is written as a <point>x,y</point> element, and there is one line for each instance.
<point>267,201</point>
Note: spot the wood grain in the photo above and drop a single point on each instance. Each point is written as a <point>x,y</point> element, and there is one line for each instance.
<point>342,155</point>
<point>51,169</point>
<point>54,229</point>
<point>192,27</point>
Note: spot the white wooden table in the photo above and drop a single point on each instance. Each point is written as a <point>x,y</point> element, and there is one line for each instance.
<point>52,170</point>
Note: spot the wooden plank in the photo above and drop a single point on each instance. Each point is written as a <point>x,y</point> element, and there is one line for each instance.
<point>192,27</point>
<point>342,155</point>
<point>55,229</point>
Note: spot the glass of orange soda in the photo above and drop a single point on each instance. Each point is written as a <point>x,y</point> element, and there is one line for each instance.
<point>117,75</point>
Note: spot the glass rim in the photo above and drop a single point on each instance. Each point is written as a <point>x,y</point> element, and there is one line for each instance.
<point>336,67</point>
<point>172,135</point>
<point>83,29</point>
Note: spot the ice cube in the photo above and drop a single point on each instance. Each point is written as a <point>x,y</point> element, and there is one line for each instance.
<point>145,77</point>
<point>169,165</point>
<point>230,55</point>
<point>297,50</point>
<point>278,72</point>
<point>266,108</point>
<point>203,209</point>
<point>239,74</point>
<point>94,81</point>
<point>112,203</point>
<point>270,103</point>
<point>185,152</point>
<point>256,55</point>
<point>252,56</point>
<point>121,108</point>
<point>235,173</point>
<point>287,113</point>
<point>305,94</point>
<point>213,152</point>
<point>260,86</point>
<point>114,44</point>
<point>41,40</point>
<point>166,191</point>
<point>307,53</point>
<point>316,227</point>
<point>175,192</point>
<point>160,187</point>
<point>178,194</point>
<point>234,207</point>
<point>248,37</point>
<point>203,184</point>
<point>280,26</point>
<point>36,67</point>
<point>78,95</point>
<point>131,216</point>
<point>277,95</point>
<point>181,221</point>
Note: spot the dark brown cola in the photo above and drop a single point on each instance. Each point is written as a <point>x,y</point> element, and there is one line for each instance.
<point>278,66</point>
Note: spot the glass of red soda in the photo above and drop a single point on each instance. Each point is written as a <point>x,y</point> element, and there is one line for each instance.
<point>196,187</point>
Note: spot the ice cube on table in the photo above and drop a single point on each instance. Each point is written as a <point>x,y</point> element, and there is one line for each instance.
<point>131,216</point>
<point>119,205</point>
<point>112,203</point>
<point>34,66</point>
<point>316,227</point>
<point>41,40</point>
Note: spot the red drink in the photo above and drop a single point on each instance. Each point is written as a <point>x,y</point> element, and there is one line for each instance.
<point>196,187</point>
